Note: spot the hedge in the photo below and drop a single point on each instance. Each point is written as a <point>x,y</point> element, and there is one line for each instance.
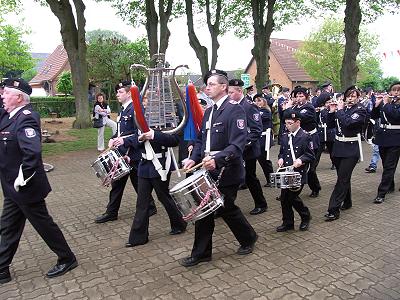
<point>63,106</point>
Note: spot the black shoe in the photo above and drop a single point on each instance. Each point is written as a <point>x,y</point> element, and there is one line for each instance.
<point>5,276</point>
<point>345,207</point>
<point>268,184</point>
<point>243,187</point>
<point>331,216</point>
<point>130,245</point>
<point>314,194</point>
<point>258,210</point>
<point>106,217</point>
<point>284,228</point>
<point>379,200</point>
<point>152,212</point>
<point>192,261</point>
<point>370,170</point>
<point>243,250</point>
<point>304,225</point>
<point>61,269</point>
<point>333,167</point>
<point>176,231</point>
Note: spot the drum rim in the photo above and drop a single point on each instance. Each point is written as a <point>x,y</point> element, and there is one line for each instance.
<point>191,179</point>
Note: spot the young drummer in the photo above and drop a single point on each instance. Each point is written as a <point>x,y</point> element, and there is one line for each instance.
<point>297,151</point>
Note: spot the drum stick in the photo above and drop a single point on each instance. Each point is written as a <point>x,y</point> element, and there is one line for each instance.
<point>194,167</point>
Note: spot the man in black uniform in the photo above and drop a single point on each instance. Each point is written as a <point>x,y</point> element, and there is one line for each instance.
<point>220,145</point>
<point>249,92</point>
<point>154,172</point>
<point>24,182</point>
<point>387,137</point>
<point>125,126</point>
<point>252,148</point>
<point>348,119</point>
<point>309,123</point>
<point>297,151</point>
<point>267,95</point>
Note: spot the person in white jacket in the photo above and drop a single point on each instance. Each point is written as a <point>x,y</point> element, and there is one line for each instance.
<point>102,110</point>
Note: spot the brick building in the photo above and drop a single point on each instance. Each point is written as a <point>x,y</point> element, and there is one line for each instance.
<point>44,83</point>
<point>284,68</point>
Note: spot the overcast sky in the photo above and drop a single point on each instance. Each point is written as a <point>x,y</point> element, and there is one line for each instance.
<point>233,53</point>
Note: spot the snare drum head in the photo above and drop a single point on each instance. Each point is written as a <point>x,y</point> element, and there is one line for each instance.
<point>187,181</point>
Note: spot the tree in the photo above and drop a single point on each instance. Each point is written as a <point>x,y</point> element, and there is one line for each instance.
<point>14,52</point>
<point>29,74</point>
<point>73,36</point>
<point>110,55</point>
<point>321,54</point>
<point>64,83</point>
<point>139,12</point>
<point>356,13</point>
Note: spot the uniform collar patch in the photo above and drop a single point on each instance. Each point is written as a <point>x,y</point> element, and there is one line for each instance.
<point>26,112</point>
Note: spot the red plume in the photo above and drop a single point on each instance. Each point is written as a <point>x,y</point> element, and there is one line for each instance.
<point>197,111</point>
<point>138,109</point>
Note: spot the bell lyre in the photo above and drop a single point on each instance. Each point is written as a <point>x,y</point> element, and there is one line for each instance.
<point>165,108</point>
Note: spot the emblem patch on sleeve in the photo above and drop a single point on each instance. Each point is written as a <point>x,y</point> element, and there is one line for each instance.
<point>30,132</point>
<point>303,111</point>
<point>240,123</point>
<point>256,117</point>
<point>355,116</point>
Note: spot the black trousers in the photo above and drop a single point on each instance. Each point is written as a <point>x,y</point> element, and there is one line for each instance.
<point>233,217</point>
<point>254,184</point>
<point>289,200</point>
<point>12,225</point>
<point>140,227</point>
<point>390,158</point>
<point>117,190</point>
<point>342,190</point>
<point>318,154</point>
<point>266,165</point>
<point>312,178</point>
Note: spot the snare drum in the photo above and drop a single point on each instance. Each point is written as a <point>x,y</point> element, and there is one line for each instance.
<point>110,166</point>
<point>285,180</point>
<point>197,196</point>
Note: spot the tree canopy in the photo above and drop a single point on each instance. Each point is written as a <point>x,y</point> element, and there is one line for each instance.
<point>322,52</point>
<point>14,52</point>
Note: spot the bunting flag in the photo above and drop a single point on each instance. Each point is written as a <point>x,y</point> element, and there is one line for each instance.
<point>195,114</point>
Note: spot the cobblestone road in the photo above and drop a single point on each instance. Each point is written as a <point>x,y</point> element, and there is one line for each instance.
<point>355,257</point>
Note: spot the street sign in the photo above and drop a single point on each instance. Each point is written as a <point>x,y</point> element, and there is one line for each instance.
<point>246,79</point>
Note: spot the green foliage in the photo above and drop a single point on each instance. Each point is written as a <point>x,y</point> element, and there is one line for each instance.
<point>14,52</point>
<point>64,83</point>
<point>110,55</point>
<point>29,74</point>
<point>322,53</point>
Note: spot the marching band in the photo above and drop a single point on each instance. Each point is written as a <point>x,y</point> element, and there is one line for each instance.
<point>227,148</point>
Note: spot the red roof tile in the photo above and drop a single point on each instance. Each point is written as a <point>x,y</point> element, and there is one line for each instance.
<point>53,66</point>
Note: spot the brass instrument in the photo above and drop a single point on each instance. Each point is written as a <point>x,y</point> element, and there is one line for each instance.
<point>276,88</point>
<point>162,91</point>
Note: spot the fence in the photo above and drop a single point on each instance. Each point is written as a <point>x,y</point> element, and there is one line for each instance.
<point>62,106</point>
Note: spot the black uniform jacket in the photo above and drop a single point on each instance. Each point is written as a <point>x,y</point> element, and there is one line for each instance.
<point>322,117</point>
<point>21,144</point>
<point>228,136</point>
<point>303,149</point>
<point>252,148</point>
<point>387,114</point>
<point>126,125</point>
<point>351,121</point>
<point>266,119</point>
<point>308,120</point>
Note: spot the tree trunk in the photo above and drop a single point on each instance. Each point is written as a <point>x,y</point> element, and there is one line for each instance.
<point>73,37</point>
<point>352,21</point>
<point>200,50</point>
<point>151,29</point>
<point>214,31</point>
<point>164,19</point>
<point>262,35</point>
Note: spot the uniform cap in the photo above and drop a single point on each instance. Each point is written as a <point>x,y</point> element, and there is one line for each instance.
<point>18,84</point>
<point>393,84</point>
<point>325,84</point>
<point>122,84</point>
<point>300,89</point>
<point>291,114</point>
<point>236,82</point>
<point>351,89</point>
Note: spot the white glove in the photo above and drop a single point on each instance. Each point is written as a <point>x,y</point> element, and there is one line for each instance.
<point>19,181</point>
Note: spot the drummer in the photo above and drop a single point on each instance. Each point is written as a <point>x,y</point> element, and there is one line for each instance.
<point>220,146</point>
<point>297,151</point>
